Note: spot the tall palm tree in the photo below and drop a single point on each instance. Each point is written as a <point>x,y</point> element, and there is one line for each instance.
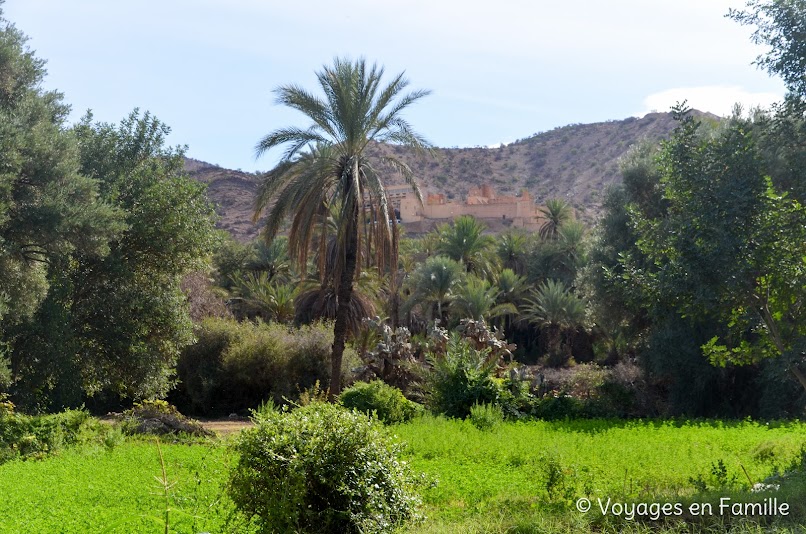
<point>325,164</point>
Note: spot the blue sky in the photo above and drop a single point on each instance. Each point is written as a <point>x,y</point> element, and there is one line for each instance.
<point>498,71</point>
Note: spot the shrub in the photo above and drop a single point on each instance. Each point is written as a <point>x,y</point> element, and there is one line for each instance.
<point>235,366</point>
<point>462,377</point>
<point>388,403</point>
<point>320,468</point>
<point>36,435</point>
<point>486,416</point>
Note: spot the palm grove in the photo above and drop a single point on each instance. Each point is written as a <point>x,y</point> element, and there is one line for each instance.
<point>686,298</point>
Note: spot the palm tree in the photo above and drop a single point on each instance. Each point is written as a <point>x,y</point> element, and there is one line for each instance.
<point>555,308</point>
<point>557,211</point>
<point>325,164</point>
<point>512,251</point>
<point>476,300</point>
<point>433,285</point>
<point>464,241</point>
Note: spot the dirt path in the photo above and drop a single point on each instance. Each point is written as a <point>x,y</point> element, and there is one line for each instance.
<point>225,427</point>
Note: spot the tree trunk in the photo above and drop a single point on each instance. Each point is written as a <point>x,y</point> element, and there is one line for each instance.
<point>344,295</point>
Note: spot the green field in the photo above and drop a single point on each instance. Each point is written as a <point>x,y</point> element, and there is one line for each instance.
<point>520,477</point>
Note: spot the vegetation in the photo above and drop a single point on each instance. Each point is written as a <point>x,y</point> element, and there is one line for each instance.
<point>380,400</point>
<point>320,468</point>
<point>325,166</point>
<point>559,365</point>
<point>523,476</point>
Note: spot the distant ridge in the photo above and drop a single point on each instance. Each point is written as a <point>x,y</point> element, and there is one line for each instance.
<point>575,162</point>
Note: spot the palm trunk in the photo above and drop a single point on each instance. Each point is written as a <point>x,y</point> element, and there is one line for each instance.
<point>344,295</point>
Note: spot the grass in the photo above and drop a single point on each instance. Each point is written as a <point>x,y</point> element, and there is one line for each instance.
<point>516,477</point>
<point>527,476</point>
<point>93,489</point>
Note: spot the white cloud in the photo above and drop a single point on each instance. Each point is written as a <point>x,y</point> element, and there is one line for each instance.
<point>715,99</point>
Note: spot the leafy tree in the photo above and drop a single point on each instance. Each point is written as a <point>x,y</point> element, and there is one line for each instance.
<point>115,324</point>
<point>780,24</point>
<point>476,299</point>
<point>512,250</point>
<point>325,164</point>
<point>730,248</point>
<point>48,210</point>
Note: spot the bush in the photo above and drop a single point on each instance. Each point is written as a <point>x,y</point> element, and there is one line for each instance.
<point>320,468</point>
<point>388,403</point>
<point>462,377</point>
<point>235,366</point>
<point>486,416</point>
<point>36,435</point>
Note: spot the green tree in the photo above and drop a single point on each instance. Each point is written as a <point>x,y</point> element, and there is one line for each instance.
<point>48,210</point>
<point>556,212</point>
<point>326,164</point>
<point>557,310</point>
<point>464,241</point>
<point>476,299</point>
<point>730,247</point>
<point>115,324</point>
<point>433,285</point>
<point>780,24</point>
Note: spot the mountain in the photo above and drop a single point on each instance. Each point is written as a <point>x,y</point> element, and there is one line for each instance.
<point>575,162</point>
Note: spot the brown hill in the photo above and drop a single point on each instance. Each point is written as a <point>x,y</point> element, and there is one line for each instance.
<point>232,192</point>
<point>575,162</point>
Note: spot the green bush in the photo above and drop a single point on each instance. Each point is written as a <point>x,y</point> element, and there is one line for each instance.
<point>388,403</point>
<point>486,416</point>
<point>36,435</point>
<point>235,366</point>
<point>462,377</point>
<point>320,468</point>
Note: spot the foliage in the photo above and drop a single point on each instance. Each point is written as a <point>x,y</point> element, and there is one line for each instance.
<point>731,248</point>
<point>780,24</point>
<point>261,298</point>
<point>461,377</point>
<point>464,241</point>
<point>392,359</point>
<point>554,307</point>
<point>556,212</point>
<point>486,416</point>
<point>113,324</point>
<point>476,299</point>
<point>386,402</point>
<point>321,468</point>
<point>34,436</point>
<point>325,166</point>
<point>236,366</point>
<point>434,284</point>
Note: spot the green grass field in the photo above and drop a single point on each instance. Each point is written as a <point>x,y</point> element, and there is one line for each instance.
<point>520,477</point>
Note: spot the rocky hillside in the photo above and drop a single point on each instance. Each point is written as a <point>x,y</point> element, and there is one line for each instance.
<point>575,162</point>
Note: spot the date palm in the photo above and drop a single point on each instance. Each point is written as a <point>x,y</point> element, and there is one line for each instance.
<point>556,212</point>
<point>326,164</point>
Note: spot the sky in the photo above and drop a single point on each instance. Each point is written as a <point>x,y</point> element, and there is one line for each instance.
<point>498,71</point>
